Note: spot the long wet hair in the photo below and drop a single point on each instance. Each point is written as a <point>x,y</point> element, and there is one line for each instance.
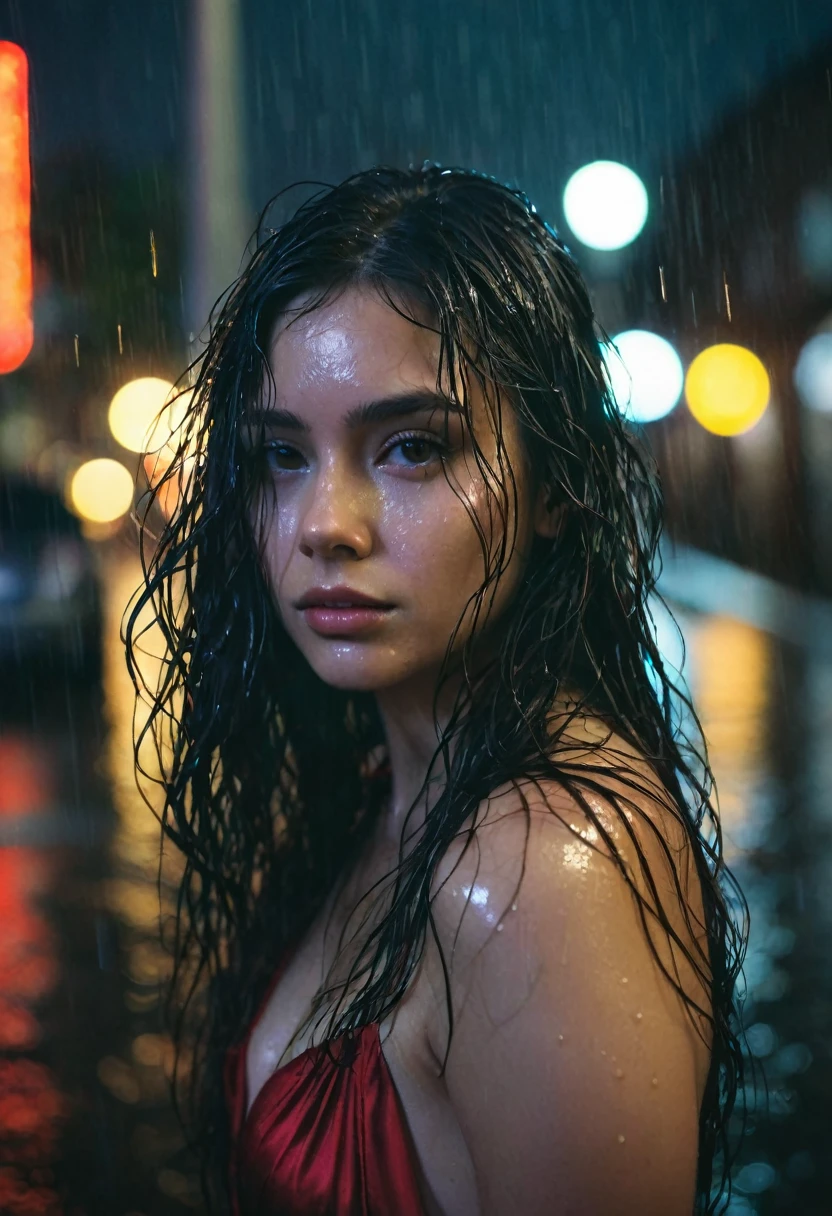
<point>242,723</point>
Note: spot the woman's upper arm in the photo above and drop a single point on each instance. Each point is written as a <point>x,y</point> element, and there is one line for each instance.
<point>574,1070</point>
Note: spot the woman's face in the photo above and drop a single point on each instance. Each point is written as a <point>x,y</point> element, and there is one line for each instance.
<point>357,505</point>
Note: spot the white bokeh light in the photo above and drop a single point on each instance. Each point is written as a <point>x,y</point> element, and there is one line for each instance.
<point>813,373</point>
<point>646,375</point>
<point>605,204</point>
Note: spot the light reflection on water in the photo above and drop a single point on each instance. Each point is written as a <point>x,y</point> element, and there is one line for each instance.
<point>748,690</point>
<point>137,895</point>
<point>32,1107</point>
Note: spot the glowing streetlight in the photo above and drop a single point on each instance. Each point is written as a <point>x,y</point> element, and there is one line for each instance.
<point>645,374</point>
<point>16,330</point>
<point>727,389</point>
<point>605,204</point>
<point>813,373</point>
<point>101,491</point>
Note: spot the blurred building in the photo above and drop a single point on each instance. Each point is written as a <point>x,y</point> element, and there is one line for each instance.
<point>741,252</point>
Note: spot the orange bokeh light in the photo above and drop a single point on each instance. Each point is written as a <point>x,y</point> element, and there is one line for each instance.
<point>16,330</point>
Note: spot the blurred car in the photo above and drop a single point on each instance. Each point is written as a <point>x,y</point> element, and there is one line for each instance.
<point>50,602</point>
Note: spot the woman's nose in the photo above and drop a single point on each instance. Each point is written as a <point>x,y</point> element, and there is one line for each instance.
<point>336,519</point>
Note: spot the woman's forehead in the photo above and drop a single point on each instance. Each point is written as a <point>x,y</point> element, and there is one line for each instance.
<point>356,347</point>
<point>354,342</point>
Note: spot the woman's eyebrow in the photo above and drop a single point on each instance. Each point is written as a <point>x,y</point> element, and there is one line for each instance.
<point>400,405</point>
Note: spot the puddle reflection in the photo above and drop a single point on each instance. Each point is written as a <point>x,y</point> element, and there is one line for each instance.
<point>764,744</point>
<point>32,1107</point>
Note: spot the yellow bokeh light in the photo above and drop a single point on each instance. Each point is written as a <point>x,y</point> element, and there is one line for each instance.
<point>142,415</point>
<point>727,389</point>
<point>101,491</point>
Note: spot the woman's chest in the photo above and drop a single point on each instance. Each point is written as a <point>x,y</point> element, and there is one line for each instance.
<point>285,1031</point>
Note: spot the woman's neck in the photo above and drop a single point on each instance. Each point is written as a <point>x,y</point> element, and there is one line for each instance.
<point>411,728</point>
<point>410,725</point>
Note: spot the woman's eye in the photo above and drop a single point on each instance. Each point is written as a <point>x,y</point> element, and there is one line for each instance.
<point>282,456</point>
<point>413,451</point>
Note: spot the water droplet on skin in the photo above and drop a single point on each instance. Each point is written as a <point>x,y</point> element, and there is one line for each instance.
<point>624,980</point>
<point>603,1053</point>
<point>514,907</point>
<point>639,1016</point>
<point>500,928</point>
<point>620,1138</point>
<point>560,1038</point>
<point>654,1081</point>
<point>619,1072</point>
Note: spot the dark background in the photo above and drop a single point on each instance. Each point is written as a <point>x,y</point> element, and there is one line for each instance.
<point>725,110</point>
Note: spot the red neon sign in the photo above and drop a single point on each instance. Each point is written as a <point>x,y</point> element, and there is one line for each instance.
<point>16,331</point>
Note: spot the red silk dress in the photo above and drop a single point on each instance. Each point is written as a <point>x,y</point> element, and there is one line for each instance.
<point>330,1140</point>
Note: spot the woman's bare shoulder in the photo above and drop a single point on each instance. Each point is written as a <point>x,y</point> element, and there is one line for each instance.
<point>610,814</point>
<point>555,986</point>
<point>612,861</point>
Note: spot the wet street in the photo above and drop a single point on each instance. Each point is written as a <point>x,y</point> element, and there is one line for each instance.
<point>85,1124</point>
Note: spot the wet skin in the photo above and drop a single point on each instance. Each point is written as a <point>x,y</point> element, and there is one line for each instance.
<point>355,436</point>
<point>593,1075</point>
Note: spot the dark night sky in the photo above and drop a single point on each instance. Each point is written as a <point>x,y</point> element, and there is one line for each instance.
<point>527,89</point>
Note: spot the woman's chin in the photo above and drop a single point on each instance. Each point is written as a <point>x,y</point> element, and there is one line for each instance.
<point>352,674</point>
<point>360,673</point>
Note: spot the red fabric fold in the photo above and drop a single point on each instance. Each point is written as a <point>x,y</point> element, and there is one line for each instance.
<point>322,1138</point>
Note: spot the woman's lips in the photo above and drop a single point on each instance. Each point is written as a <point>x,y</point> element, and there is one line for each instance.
<point>343,622</point>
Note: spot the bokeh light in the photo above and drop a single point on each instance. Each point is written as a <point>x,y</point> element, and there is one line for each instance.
<point>727,389</point>
<point>101,491</point>
<point>142,415</point>
<point>645,373</point>
<point>605,204</point>
<point>813,374</point>
<point>163,453</point>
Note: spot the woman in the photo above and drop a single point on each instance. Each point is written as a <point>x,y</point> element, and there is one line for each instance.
<point>452,870</point>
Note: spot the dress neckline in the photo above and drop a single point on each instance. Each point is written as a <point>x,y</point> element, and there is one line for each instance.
<point>299,1061</point>
<point>382,771</point>
<point>302,1057</point>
